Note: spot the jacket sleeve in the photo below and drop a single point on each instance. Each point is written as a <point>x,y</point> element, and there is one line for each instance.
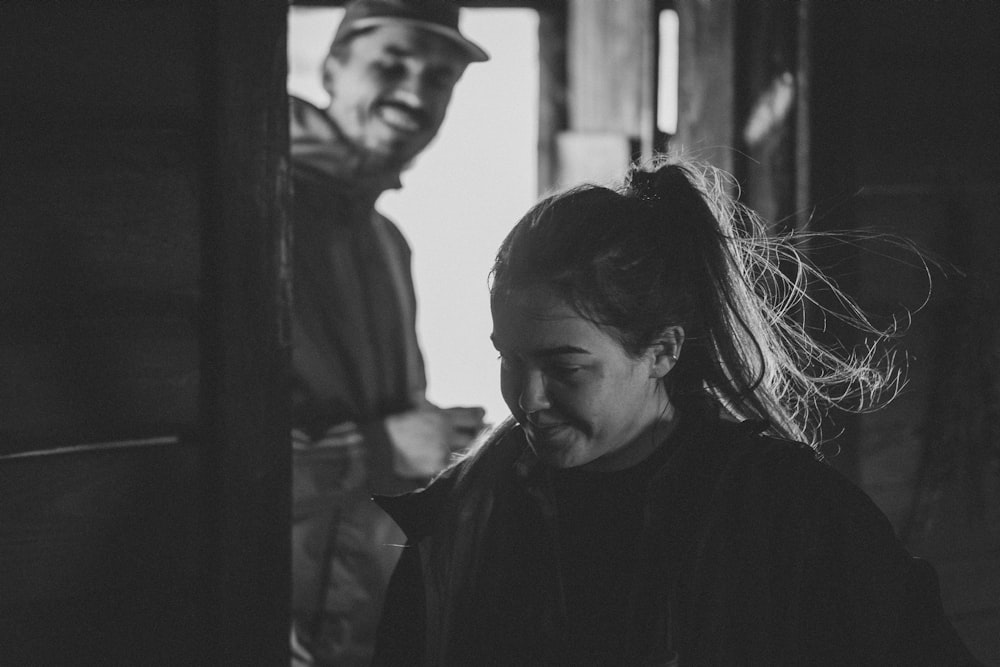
<point>884,603</point>
<point>816,572</point>
<point>401,637</point>
<point>354,455</point>
<point>380,461</point>
<point>399,641</point>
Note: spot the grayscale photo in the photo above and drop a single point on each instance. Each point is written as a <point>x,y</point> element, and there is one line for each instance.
<point>515,333</point>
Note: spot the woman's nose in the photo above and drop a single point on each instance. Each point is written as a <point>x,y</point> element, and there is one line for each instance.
<point>533,396</point>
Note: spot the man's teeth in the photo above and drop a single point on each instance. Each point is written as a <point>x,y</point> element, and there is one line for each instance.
<point>399,118</point>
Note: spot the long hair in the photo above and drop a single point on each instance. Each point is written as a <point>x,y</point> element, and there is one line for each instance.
<point>670,247</point>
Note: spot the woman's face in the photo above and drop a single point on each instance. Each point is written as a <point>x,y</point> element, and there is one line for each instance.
<point>579,396</point>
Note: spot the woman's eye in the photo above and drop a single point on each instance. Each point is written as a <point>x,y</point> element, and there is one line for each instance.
<point>506,363</point>
<point>563,372</point>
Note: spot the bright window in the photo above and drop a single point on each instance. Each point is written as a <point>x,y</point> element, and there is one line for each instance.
<point>666,87</point>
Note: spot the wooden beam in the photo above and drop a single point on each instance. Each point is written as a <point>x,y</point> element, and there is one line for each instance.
<point>245,410</point>
<point>706,121</point>
<point>552,90</point>
<point>611,62</point>
<point>803,131</point>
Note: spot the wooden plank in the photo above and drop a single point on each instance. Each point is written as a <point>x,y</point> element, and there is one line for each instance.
<point>100,564</point>
<point>97,378</point>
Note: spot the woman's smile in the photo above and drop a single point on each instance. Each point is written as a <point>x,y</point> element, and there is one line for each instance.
<point>577,393</point>
<point>546,433</point>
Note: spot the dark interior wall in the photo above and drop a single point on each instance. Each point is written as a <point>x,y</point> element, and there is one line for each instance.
<point>102,177</point>
<point>770,99</point>
<point>903,139</point>
<point>884,118</point>
<point>706,114</point>
<point>141,300</point>
<point>100,246</point>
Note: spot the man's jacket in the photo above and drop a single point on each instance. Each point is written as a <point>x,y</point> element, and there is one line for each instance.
<point>355,361</point>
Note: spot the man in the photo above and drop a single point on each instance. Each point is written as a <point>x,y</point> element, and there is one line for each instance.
<point>361,422</point>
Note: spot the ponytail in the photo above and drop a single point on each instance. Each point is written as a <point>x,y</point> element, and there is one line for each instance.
<point>671,247</point>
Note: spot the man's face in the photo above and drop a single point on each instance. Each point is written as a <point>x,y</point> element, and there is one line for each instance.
<point>389,94</point>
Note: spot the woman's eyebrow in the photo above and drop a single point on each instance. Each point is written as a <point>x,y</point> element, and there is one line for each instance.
<point>561,349</point>
<point>549,351</point>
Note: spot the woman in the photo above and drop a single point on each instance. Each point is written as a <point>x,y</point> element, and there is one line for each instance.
<point>651,502</point>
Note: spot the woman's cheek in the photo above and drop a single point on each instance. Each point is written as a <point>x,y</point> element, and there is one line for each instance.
<point>510,393</point>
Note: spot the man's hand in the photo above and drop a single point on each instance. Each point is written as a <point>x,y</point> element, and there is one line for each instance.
<point>424,438</point>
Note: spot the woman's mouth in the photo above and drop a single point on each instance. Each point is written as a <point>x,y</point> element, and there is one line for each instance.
<point>544,432</point>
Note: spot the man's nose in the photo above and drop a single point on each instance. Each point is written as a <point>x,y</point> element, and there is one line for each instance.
<point>533,396</point>
<point>413,90</point>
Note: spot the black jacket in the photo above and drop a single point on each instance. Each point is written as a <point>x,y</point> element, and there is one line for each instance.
<point>753,553</point>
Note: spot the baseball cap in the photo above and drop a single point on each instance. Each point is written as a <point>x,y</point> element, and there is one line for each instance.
<point>437,16</point>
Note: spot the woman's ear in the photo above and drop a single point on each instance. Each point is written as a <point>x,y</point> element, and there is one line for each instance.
<point>666,351</point>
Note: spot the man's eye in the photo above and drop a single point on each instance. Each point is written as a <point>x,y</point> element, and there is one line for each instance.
<point>390,68</point>
<point>441,80</point>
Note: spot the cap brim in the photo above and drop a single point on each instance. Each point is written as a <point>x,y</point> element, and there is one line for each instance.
<point>474,52</point>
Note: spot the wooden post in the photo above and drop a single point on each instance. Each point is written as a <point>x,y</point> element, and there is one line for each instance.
<point>706,121</point>
<point>611,65</point>
<point>245,413</point>
<point>803,93</point>
<point>552,112</point>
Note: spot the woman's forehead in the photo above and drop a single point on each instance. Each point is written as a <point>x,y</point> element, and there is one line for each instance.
<point>537,318</point>
<point>537,302</point>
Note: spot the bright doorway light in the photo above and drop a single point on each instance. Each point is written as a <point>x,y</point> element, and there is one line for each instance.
<point>463,194</point>
<point>666,87</point>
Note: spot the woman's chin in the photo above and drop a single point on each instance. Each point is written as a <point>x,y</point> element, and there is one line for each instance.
<point>561,455</point>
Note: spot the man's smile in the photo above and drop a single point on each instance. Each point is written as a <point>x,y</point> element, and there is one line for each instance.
<point>400,117</point>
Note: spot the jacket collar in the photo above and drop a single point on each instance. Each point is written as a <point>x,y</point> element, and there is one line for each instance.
<point>702,446</point>
<point>319,148</point>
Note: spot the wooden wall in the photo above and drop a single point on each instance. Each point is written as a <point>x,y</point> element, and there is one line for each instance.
<point>143,431</point>
<point>904,130</point>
